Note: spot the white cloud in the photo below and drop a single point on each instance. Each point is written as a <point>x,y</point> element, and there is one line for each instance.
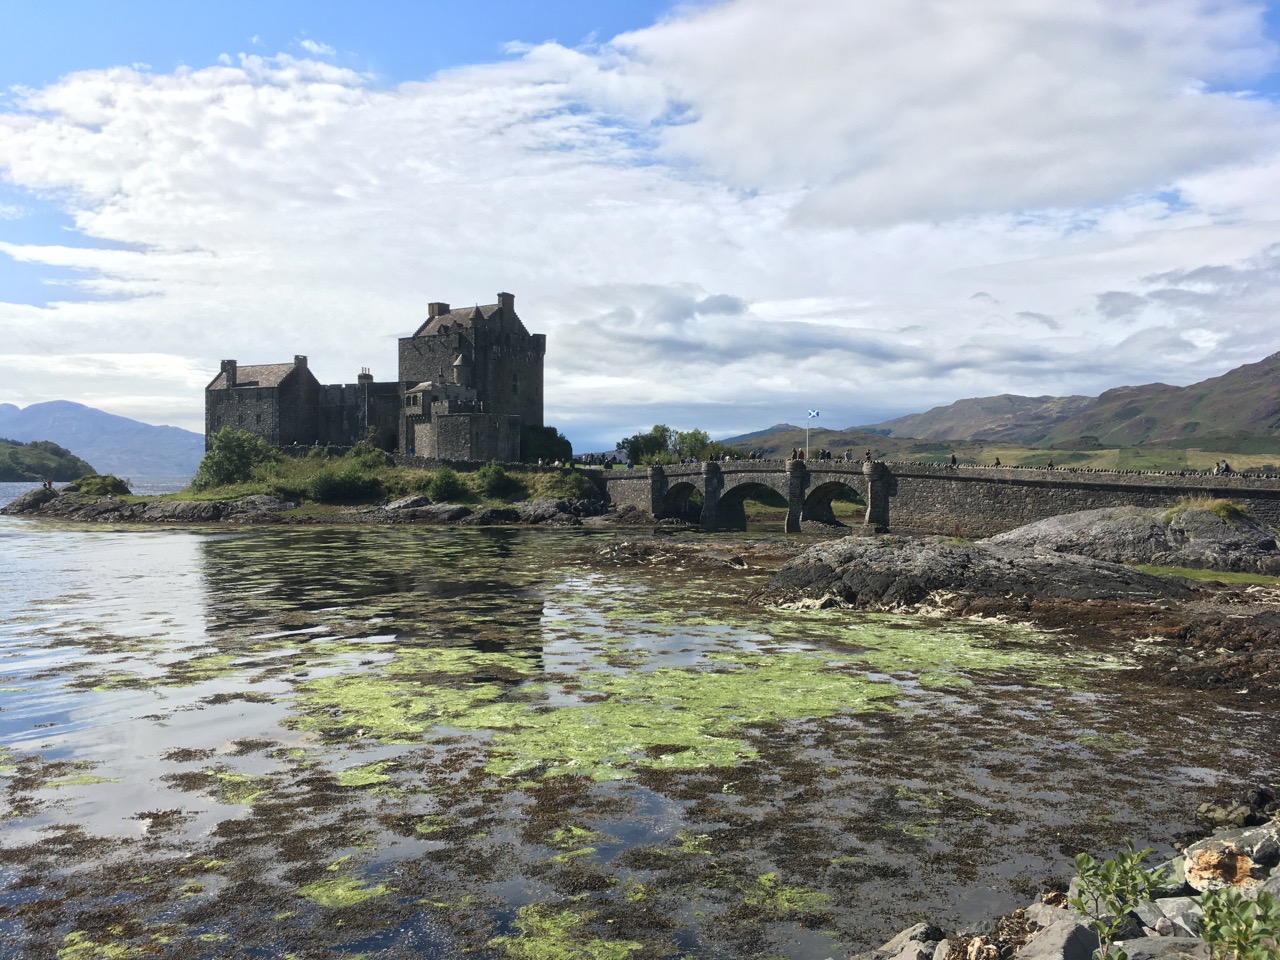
<point>737,213</point>
<point>315,48</point>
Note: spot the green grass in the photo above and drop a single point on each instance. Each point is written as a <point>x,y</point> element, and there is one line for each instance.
<point>1226,510</point>
<point>1218,576</point>
<point>319,481</point>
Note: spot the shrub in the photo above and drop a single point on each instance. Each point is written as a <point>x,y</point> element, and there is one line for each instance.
<point>568,485</point>
<point>368,457</point>
<point>495,483</point>
<point>96,485</point>
<point>1107,891</point>
<point>346,486</point>
<point>231,457</point>
<point>445,485</point>
<point>1240,929</point>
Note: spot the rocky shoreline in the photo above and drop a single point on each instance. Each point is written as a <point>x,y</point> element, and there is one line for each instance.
<point>260,509</point>
<point>1240,853</point>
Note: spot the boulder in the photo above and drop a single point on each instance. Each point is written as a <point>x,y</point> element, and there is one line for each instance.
<point>546,510</point>
<point>919,933</point>
<point>1241,858</point>
<point>1173,880</point>
<point>1165,948</point>
<point>184,511</point>
<point>493,516</point>
<point>30,502</point>
<point>1191,537</point>
<point>1184,913</point>
<point>1041,915</point>
<point>1227,812</point>
<point>1065,939</point>
<point>407,503</point>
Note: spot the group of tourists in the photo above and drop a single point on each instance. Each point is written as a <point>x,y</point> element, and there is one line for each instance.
<point>1221,468</point>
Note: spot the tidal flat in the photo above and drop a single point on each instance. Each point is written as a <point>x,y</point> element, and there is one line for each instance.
<point>441,742</point>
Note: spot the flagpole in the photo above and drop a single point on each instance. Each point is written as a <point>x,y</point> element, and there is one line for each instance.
<point>812,414</point>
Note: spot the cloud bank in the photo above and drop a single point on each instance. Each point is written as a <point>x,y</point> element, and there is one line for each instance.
<point>736,214</point>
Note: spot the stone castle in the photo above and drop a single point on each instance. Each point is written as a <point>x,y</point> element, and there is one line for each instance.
<point>469,388</point>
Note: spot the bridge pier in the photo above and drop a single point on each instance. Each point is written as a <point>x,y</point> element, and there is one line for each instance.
<point>879,487</point>
<point>712,487</point>
<point>797,483</point>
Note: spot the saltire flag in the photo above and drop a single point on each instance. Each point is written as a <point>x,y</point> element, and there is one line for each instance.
<point>812,414</point>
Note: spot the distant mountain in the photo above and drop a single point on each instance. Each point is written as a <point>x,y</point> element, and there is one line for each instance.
<point>111,443</point>
<point>1244,402</point>
<point>1007,417</point>
<point>766,432</point>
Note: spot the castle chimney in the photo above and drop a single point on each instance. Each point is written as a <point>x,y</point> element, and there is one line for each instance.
<point>365,376</point>
<point>507,301</point>
<point>299,361</point>
<point>229,372</point>
<point>436,309</point>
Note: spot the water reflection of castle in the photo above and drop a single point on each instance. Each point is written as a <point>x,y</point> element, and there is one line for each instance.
<point>470,383</point>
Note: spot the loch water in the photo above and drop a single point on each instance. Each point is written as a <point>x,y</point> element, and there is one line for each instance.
<point>432,742</point>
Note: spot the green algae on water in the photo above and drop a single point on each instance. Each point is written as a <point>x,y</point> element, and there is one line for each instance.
<point>771,896</point>
<point>338,892</point>
<point>550,934</point>
<point>237,788</point>
<point>79,780</point>
<point>369,775</point>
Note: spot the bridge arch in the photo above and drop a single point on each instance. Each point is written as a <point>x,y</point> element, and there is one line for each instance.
<point>731,510</point>
<point>818,501</point>
<point>683,499</point>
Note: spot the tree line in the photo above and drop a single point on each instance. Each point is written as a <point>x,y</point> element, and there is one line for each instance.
<point>663,444</point>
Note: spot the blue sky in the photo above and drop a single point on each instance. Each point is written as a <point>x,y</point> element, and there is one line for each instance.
<point>721,214</point>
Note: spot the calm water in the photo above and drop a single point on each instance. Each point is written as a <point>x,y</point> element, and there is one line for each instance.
<point>430,742</point>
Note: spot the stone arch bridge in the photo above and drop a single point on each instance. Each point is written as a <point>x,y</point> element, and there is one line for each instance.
<point>921,497</point>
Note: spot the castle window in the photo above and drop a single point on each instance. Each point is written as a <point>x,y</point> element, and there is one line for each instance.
<point>515,383</point>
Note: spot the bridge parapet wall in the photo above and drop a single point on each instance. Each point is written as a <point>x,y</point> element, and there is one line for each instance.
<point>938,498</point>
<point>983,501</point>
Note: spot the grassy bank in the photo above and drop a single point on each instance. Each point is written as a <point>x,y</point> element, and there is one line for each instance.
<point>366,476</point>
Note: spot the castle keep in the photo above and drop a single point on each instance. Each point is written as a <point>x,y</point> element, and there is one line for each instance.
<point>470,383</point>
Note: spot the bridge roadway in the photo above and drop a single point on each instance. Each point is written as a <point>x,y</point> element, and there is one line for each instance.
<point>963,501</point>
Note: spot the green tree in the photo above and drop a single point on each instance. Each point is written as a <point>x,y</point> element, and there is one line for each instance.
<point>231,457</point>
<point>690,443</point>
<point>652,447</point>
<point>544,443</point>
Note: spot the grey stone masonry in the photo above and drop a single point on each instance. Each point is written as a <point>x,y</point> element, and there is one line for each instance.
<point>923,497</point>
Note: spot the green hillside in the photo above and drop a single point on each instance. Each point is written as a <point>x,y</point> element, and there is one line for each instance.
<point>39,460</point>
<point>1242,403</point>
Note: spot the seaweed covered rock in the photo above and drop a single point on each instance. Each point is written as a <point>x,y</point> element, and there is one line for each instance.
<point>896,572</point>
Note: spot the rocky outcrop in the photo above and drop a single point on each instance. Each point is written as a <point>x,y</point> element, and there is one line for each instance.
<point>73,506</point>
<point>1191,537</point>
<point>43,502</point>
<point>893,572</point>
<point>543,512</point>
